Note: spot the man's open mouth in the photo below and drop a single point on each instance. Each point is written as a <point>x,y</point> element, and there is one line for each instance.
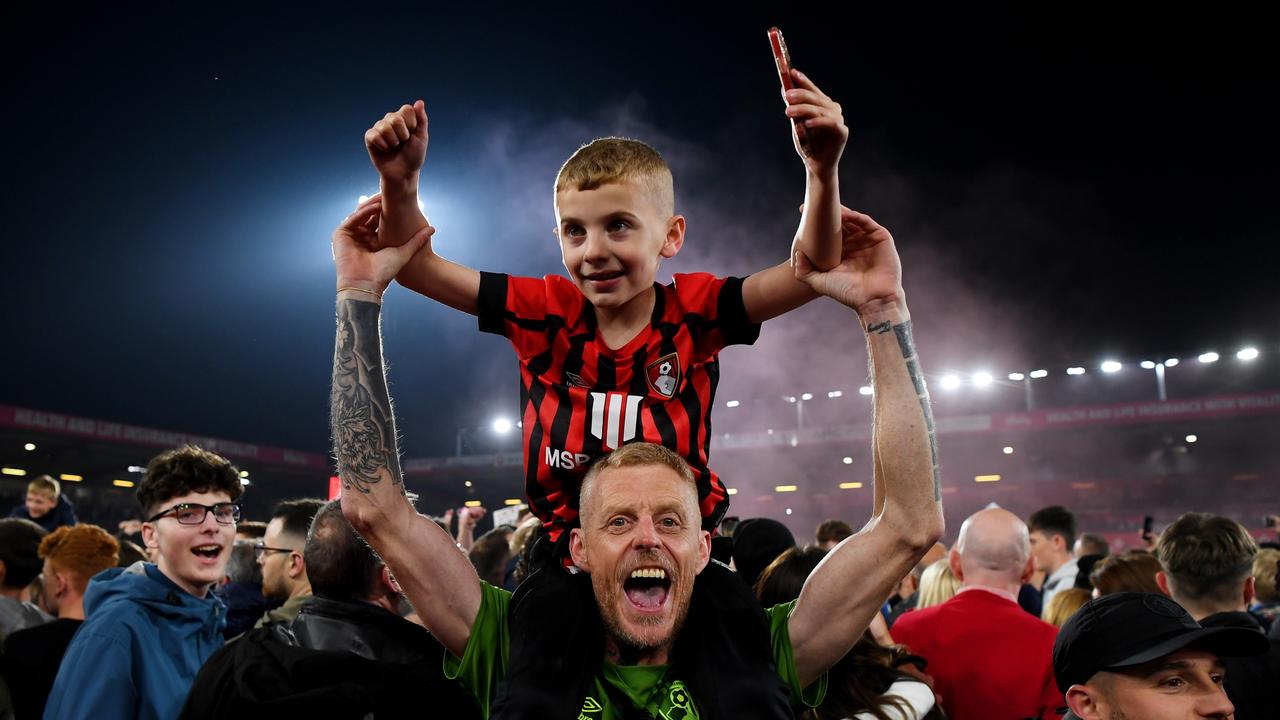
<point>207,551</point>
<point>647,588</point>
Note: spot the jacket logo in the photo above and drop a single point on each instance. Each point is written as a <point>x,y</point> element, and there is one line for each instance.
<point>614,417</point>
<point>663,375</point>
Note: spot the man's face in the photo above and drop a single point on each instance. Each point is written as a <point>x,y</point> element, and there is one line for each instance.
<point>1186,685</point>
<point>1042,550</point>
<point>611,241</point>
<point>193,556</point>
<point>39,504</point>
<point>643,544</point>
<point>275,565</point>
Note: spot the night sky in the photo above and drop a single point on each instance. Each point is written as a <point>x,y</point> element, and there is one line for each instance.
<point>1062,188</point>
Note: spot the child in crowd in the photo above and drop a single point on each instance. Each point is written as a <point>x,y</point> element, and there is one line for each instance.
<point>46,506</point>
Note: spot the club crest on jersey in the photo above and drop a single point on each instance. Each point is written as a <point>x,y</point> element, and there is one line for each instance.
<point>664,375</point>
<point>614,417</point>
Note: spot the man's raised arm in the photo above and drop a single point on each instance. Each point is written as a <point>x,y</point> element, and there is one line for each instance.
<point>845,591</point>
<point>438,580</point>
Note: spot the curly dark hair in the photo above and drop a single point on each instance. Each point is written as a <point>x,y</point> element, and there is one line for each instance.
<point>185,470</point>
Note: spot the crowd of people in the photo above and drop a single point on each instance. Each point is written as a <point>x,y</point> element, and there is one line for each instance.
<point>624,593</point>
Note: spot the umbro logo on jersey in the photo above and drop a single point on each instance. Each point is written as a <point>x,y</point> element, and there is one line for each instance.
<point>664,375</point>
<point>614,418</point>
<point>575,380</point>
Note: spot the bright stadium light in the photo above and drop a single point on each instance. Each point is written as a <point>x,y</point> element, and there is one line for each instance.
<point>807,396</point>
<point>788,511</point>
<point>790,398</point>
<point>502,426</point>
<point>1075,371</point>
<point>1171,362</point>
<point>1111,366</point>
<point>1248,354</point>
<point>1008,449</point>
<point>29,447</point>
<point>835,394</point>
<point>865,390</point>
<point>950,382</point>
<point>1017,377</point>
<point>1208,357</point>
<point>732,403</point>
<point>847,460</point>
<point>1192,438</point>
<point>1037,374</point>
<point>1147,365</point>
<point>981,379</point>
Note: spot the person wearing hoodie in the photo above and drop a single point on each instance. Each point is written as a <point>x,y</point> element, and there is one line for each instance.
<point>149,627</point>
<point>46,506</point>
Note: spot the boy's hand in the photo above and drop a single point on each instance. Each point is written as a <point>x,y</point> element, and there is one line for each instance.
<point>397,144</point>
<point>869,276</point>
<point>823,122</point>
<point>470,516</point>
<point>358,265</point>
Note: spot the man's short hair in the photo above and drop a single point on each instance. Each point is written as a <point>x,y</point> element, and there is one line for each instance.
<point>1054,520</point>
<point>255,529</point>
<point>633,455</point>
<point>1264,575</point>
<point>1133,571</point>
<point>45,485</point>
<point>20,551</point>
<point>1093,544</point>
<point>297,515</point>
<point>1206,557</point>
<point>613,160</point>
<point>242,564</point>
<point>833,531</point>
<point>490,553</point>
<point>340,564</point>
<point>185,470</point>
<point>80,551</point>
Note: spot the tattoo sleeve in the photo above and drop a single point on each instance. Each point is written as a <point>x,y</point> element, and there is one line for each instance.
<point>908,346</point>
<point>364,434</point>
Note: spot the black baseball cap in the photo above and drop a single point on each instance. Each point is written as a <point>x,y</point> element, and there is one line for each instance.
<point>1126,629</point>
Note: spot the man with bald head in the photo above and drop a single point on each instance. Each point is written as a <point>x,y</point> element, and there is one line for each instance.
<point>988,657</point>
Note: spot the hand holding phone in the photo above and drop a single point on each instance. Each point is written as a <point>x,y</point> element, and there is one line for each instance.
<point>782,58</point>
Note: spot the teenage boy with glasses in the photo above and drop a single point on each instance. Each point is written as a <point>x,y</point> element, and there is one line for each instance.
<point>150,627</point>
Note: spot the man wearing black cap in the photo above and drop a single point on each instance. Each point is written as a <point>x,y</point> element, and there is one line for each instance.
<point>1140,656</point>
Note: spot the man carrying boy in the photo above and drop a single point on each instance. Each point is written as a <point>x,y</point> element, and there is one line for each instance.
<point>46,506</point>
<point>149,627</point>
<point>608,356</point>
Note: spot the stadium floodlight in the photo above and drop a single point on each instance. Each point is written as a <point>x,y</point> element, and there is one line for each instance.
<point>788,511</point>
<point>502,426</point>
<point>244,473</point>
<point>1208,357</point>
<point>1037,374</point>
<point>29,447</point>
<point>807,396</point>
<point>1075,371</point>
<point>790,398</point>
<point>835,394</point>
<point>950,382</point>
<point>732,403</point>
<point>847,460</point>
<point>1147,365</point>
<point>981,379</point>
<point>1111,366</point>
<point>1192,438</point>
<point>865,390</point>
<point>1171,362</point>
<point>1008,449</point>
<point>1017,377</point>
<point>1248,354</point>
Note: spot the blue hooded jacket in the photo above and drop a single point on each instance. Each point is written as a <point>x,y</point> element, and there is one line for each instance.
<point>139,649</point>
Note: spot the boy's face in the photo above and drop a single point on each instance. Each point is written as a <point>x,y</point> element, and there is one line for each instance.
<point>39,504</point>
<point>192,556</point>
<point>612,240</point>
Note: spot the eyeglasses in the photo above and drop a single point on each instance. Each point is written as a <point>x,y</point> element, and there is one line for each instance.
<point>259,550</point>
<point>194,513</point>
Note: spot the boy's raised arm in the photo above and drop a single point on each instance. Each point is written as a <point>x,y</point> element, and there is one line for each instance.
<point>397,145</point>
<point>776,290</point>
<point>439,581</point>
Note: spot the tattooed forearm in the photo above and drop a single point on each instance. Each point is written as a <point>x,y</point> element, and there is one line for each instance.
<point>364,435</point>
<point>908,347</point>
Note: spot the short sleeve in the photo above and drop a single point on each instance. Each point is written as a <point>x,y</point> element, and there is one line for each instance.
<point>491,303</point>
<point>784,658</point>
<point>484,663</point>
<point>717,303</point>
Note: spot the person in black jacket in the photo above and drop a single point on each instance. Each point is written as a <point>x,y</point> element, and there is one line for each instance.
<point>1206,566</point>
<point>46,506</point>
<point>346,654</point>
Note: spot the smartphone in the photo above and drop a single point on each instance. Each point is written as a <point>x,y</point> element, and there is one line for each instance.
<point>782,59</point>
<point>1148,523</point>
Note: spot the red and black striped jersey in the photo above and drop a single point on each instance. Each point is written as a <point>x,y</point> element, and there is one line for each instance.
<point>580,399</point>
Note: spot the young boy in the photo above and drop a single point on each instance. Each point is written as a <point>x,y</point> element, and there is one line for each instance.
<point>149,627</point>
<point>608,356</point>
<point>46,506</point>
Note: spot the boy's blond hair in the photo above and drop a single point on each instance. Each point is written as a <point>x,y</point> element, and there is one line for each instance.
<point>613,160</point>
<point>45,485</point>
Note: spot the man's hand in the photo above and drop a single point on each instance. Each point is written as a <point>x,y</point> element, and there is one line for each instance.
<point>823,121</point>
<point>358,264</point>
<point>471,516</point>
<point>869,276</point>
<point>397,143</point>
